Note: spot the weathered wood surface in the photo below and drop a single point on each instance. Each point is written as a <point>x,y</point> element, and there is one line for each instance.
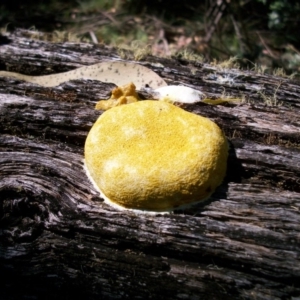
<point>59,240</point>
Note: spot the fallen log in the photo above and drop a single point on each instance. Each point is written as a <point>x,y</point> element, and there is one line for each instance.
<point>59,239</point>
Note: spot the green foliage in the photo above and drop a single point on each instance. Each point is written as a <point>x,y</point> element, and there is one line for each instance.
<point>283,14</point>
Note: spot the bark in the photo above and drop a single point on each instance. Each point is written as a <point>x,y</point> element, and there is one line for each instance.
<point>60,241</point>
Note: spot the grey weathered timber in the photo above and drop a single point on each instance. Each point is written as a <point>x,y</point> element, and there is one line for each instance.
<point>59,240</point>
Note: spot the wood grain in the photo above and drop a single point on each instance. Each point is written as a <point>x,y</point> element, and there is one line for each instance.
<point>59,239</point>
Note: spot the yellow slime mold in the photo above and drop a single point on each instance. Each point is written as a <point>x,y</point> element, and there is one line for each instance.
<point>152,155</point>
<point>120,95</point>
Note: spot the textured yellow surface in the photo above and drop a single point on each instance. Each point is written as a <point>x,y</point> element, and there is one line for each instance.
<point>120,95</point>
<point>152,155</point>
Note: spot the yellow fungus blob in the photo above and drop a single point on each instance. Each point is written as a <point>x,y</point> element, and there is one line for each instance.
<point>154,156</point>
<point>120,95</point>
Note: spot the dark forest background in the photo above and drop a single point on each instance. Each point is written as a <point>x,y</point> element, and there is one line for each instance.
<point>261,34</point>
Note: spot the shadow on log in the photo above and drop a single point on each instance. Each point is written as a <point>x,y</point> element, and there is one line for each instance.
<point>59,240</point>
